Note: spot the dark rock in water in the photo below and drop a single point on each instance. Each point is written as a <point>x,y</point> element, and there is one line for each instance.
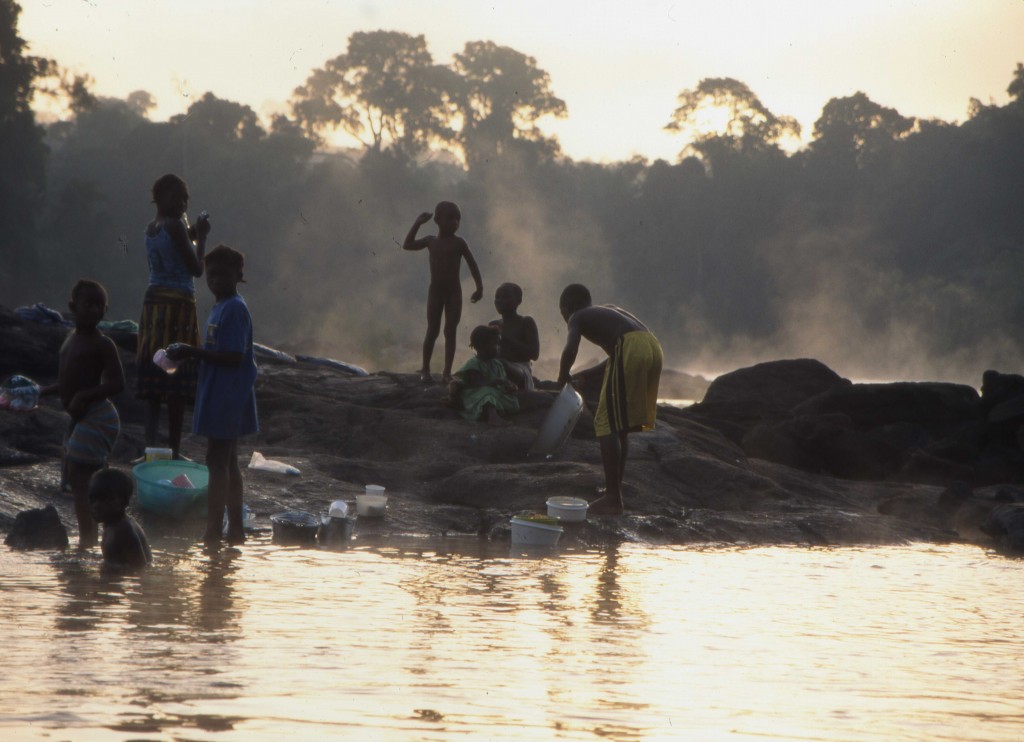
<point>1005,524</point>
<point>767,389</point>
<point>38,529</point>
<point>928,404</point>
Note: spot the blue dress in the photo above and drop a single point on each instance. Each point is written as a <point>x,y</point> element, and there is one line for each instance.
<point>225,395</point>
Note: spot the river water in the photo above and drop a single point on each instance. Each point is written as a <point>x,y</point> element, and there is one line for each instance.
<point>456,640</point>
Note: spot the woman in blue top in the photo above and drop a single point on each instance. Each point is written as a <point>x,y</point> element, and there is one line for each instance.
<point>174,251</point>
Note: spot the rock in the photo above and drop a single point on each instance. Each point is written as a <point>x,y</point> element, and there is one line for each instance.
<point>782,452</point>
<point>38,529</point>
<point>1005,524</point>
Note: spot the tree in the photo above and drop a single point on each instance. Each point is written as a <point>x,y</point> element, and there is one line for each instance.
<point>385,91</point>
<point>22,151</point>
<point>723,114</point>
<point>503,96</point>
<point>221,120</point>
<point>853,130</point>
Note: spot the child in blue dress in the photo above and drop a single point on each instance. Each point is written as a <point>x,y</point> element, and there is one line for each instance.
<point>485,390</point>
<point>225,406</point>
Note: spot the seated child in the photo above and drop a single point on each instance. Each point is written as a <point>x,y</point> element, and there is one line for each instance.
<point>485,390</point>
<point>520,341</point>
<point>124,543</point>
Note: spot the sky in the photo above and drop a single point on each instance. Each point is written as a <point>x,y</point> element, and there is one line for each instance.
<point>618,64</point>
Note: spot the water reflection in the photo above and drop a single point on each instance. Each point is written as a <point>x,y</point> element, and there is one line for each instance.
<point>458,639</point>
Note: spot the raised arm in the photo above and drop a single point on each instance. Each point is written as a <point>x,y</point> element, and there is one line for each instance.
<point>411,243</point>
<point>191,255</point>
<point>474,270</point>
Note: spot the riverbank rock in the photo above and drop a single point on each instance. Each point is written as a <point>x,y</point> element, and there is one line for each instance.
<point>781,452</point>
<point>39,528</point>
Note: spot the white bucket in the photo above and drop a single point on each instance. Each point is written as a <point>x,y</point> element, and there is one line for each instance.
<point>371,506</point>
<point>568,509</point>
<point>158,454</point>
<point>375,489</point>
<point>530,533</point>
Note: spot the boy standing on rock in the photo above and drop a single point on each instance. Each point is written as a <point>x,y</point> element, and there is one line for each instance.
<point>629,392</point>
<point>445,292</point>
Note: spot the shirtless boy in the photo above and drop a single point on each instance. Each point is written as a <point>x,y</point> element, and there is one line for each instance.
<point>520,341</point>
<point>629,392</point>
<point>124,542</point>
<point>445,292</point>
<point>89,374</point>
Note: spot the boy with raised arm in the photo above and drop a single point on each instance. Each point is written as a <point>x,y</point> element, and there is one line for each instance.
<point>445,292</point>
<point>89,374</point>
<point>629,392</point>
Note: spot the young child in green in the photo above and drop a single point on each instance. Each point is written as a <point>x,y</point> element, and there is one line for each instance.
<point>486,391</point>
<point>520,341</point>
<point>124,542</point>
<point>445,292</point>
<point>89,374</point>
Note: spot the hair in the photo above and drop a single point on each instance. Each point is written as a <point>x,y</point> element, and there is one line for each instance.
<point>482,334</point>
<point>515,288</point>
<point>166,184</point>
<point>115,481</point>
<point>575,296</point>
<point>88,283</point>
<point>224,255</point>
<point>445,206</point>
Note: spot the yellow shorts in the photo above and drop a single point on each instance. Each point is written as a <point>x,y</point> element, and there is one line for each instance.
<point>629,392</point>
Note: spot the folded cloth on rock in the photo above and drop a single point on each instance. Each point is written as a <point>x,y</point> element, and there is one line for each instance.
<point>42,314</point>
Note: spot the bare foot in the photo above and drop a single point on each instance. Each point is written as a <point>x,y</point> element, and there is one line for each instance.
<point>212,537</point>
<point>605,506</point>
<point>446,378</point>
<point>236,537</point>
<point>425,376</point>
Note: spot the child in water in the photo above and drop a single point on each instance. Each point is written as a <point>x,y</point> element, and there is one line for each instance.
<point>520,341</point>
<point>486,391</point>
<point>225,397</point>
<point>445,292</point>
<point>124,542</point>
<point>89,373</point>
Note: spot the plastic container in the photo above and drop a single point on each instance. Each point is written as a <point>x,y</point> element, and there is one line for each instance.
<point>558,423</point>
<point>19,393</point>
<point>294,528</point>
<point>334,532</point>
<point>338,509</point>
<point>535,530</point>
<point>375,489</point>
<point>568,509</point>
<point>248,519</point>
<point>371,506</point>
<point>159,454</point>
<point>157,494</point>
<point>161,359</point>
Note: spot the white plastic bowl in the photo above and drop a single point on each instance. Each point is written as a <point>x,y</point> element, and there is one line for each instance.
<point>568,509</point>
<point>371,506</point>
<point>531,533</point>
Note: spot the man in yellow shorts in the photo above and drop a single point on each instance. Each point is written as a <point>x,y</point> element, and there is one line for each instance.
<point>629,392</point>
